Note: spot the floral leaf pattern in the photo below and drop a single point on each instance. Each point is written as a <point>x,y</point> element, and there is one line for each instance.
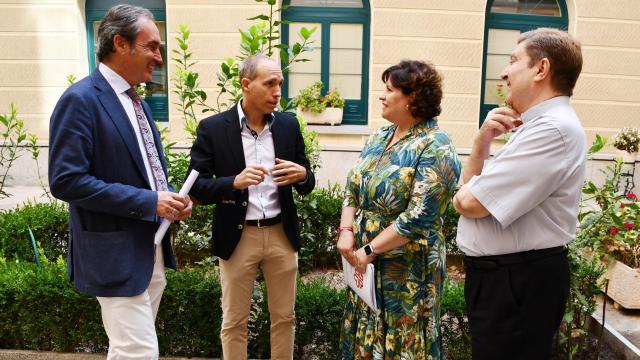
<point>407,186</point>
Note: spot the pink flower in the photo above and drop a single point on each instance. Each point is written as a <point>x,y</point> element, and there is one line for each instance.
<point>613,230</point>
<point>631,196</point>
<point>628,225</point>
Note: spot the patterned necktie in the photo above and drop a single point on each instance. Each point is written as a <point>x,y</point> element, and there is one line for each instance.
<point>149,144</point>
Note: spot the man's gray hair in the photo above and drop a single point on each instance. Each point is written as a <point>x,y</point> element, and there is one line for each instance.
<point>249,66</point>
<point>120,20</point>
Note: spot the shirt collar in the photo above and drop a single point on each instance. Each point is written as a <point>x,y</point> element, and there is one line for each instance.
<point>117,82</point>
<point>270,118</point>
<point>543,107</point>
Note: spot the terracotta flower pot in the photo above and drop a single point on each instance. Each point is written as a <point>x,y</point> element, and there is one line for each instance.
<point>624,285</point>
<point>330,115</point>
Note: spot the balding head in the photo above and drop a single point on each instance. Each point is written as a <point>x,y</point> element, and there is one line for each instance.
<point>249,67</point>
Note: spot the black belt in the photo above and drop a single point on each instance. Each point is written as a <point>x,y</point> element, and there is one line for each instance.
<point>496,261</point>
<point>264,222</point>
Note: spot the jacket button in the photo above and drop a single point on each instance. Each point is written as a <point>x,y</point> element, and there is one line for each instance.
<point>240,226</point>
<point>244,203</point>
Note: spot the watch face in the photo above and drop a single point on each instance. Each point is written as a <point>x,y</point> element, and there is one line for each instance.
<point>367,250</point>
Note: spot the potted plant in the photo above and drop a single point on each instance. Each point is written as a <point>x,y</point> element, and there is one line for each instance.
<point>610,226</point>
<point>627,143</point>
<point>317,109</point>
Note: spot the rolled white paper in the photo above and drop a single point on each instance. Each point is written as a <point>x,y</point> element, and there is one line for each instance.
<point>186,187</point>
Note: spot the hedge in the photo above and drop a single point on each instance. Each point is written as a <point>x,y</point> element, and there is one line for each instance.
<point>41,311</point>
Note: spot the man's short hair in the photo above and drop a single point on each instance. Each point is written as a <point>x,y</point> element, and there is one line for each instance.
<point>249,67</point>
<point>120,20</point>
<point>564,54</point>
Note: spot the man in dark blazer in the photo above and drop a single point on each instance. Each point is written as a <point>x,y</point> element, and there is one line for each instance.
<point>249,158</point>
<point>106,161</point>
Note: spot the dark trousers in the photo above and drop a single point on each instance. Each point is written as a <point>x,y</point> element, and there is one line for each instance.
<point>515,303</point>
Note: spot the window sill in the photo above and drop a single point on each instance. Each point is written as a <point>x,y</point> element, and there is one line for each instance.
<point>340,129</point>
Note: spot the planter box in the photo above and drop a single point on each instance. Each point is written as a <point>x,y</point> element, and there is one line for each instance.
<point>332,116</point>
<point>624,285</point>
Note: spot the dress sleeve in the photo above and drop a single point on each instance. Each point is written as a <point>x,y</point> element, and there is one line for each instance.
<point>436,176</point>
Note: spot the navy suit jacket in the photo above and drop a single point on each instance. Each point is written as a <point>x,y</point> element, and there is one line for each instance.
<point>95,165</point>
<point>218,155</point>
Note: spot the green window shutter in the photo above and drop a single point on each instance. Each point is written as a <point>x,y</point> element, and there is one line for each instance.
<point>349,71</point>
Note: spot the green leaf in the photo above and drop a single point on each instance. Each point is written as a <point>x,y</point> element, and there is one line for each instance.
<point>304,33</point>
<point>284,56</point>
<point>616,219</point>
<point>259,17</point>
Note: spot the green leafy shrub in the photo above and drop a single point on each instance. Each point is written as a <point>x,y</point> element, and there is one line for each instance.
<point>49,223</point>
<point>41,311</point>
<point>450,230</point>
<point>456,336</point>
<point>319,310</point>
<point>192,238</point>
<point>319,216</point>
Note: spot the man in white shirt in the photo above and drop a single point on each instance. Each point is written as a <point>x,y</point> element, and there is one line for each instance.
<point>250,157</point>
<point>519,209</point>
<point>106,161</point>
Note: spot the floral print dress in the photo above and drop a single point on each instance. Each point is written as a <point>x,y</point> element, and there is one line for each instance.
<point>409,187</point>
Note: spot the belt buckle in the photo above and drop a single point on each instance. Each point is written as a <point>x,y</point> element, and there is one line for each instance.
<point>258,223</point>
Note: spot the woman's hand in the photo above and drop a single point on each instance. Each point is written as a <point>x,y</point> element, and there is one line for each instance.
<point>362,260</point>
<point>347,245</point>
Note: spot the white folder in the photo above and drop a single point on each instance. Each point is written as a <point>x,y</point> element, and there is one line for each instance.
<point>362,284</point>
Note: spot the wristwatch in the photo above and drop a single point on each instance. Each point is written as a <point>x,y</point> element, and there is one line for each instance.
<point>369,251</point>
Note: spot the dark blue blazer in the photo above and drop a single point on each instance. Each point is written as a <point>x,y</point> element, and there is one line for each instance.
<point>95,165</point>
<point>218,155</point>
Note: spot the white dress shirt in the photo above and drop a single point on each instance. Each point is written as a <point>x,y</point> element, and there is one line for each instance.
<point>531,187</point>
<point>264,202</point>
<point>120,86</point>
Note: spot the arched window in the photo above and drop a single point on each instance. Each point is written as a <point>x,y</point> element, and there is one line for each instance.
<point>158,97</point>
<point>341,55</point>
<point>504,22</point>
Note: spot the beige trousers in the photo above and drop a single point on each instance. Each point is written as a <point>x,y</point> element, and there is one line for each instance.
<point>130,321</point>
<point>269,247</point>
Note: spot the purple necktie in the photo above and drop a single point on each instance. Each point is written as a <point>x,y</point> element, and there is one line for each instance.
<point>149,144</point>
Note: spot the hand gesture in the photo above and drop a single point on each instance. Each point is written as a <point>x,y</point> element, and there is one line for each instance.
<point>251,175</point>
<point>499,121</point>
<point>172,206</point>
<point>347,246</point>
<point>287,172</point>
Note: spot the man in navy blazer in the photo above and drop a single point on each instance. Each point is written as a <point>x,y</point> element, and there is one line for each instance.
<point>106,161</point>
<point>249,158</point>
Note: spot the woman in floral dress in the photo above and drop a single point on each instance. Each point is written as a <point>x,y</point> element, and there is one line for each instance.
<point>395,201</point>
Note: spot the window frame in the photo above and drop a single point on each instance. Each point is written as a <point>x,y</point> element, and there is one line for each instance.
<point>95,11</point>
<point>521,22</point>
<point>327,16</point>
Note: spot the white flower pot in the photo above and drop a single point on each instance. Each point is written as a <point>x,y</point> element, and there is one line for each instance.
<point>627,157</point>
<point>332,116</point>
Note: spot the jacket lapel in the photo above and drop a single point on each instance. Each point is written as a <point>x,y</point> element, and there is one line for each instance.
<point>113,107</point>
<point>234,138</point>
<point>277,131</point>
